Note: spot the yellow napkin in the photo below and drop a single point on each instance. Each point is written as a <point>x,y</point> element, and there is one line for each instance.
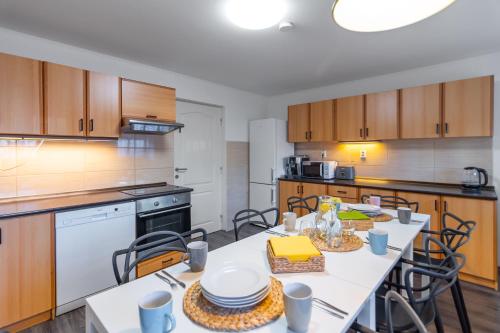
<point>294,248</point>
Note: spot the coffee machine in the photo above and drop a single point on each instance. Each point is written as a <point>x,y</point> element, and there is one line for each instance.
<point>293,165</point>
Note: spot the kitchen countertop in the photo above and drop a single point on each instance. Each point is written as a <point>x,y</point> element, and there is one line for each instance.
<point>427,188</point>
<point>11,208</point>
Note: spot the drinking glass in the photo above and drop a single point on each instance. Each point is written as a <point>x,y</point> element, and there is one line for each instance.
<point>307,227</point>
<point>349,228</point>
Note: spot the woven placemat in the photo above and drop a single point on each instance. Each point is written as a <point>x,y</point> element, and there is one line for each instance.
<point>217,318</point>
<point>383,218</point>
<point>349,243</point>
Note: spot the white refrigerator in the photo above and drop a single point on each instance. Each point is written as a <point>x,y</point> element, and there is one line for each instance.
<point>268,149</point>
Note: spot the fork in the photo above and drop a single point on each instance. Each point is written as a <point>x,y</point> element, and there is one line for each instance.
<point>331,306</point>
<point>164,279</point>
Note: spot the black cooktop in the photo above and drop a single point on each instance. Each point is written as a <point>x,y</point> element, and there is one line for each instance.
<point>148,191</point>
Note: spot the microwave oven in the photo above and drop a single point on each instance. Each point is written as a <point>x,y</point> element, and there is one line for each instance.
<point>319,169</point>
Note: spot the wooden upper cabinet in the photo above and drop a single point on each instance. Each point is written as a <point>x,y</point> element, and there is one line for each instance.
<point>21,108</point>
<point>26,267</point>
<point>322,121</point>
<point>421,112</point>
<point>103,105</point>
<point>382,116</point>
<point>64,100</point>
<point>147,101</point>
<point>298,123</point>
<point>350,118</point>
<point>468,107</point>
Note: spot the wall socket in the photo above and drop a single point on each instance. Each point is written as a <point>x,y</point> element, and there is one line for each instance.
<point>323,154</point>
<point>362,154</point>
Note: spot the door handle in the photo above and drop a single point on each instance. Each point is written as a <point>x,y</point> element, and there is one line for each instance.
<point>181,169</point>
<point>80,125</point>
<point>446,128</point>
<point>272,197</point>
<point>360,132</point>
<point>437,128</point>
<point>272,175</point>
<point>366,132</point>
<point>91,125</point>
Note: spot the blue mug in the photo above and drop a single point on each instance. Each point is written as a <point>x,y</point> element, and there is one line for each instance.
<point>155,312</point>
<point>378,240</point>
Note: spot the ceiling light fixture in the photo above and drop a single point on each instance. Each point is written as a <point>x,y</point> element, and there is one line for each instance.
<point>255,14</point>
<point>382,15</point>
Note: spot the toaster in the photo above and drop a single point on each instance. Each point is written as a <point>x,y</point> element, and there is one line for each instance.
<point>345,172</point>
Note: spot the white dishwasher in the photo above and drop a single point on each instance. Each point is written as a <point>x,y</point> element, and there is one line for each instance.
<point>85,242</point>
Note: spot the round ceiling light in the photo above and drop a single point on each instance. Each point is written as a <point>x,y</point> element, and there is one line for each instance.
<point>382,15</point>
<point>255,14</point>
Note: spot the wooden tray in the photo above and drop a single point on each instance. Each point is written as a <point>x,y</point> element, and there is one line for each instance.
<point>349,243</point>
<point>283,265</point>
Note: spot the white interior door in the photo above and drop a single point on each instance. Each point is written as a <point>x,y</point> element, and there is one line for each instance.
<point>198,162</point>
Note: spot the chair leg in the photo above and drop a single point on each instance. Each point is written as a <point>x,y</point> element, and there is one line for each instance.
<point>464,308</point>
<point>437,321</point>
<point>459,308</point>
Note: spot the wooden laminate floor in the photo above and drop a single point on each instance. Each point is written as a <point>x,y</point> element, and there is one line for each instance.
<point>483,304</point>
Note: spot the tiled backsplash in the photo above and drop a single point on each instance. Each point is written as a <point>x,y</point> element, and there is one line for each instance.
<point>439,160</point>
<point>67,166</point>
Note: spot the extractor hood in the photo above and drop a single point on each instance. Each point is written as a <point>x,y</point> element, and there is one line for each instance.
<point>149,126</point>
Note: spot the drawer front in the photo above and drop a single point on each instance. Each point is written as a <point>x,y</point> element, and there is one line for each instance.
<point>160,262</point>
<point>343,191</point>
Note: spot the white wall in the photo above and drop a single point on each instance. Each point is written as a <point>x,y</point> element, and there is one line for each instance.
<point>239,106</point>
<point>483,65</point>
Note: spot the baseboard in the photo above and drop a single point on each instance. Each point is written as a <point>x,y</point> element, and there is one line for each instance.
<point>29,322</point>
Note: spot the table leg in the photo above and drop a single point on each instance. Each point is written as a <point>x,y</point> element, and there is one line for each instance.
<point>91,321</point>
<point>367,316</point>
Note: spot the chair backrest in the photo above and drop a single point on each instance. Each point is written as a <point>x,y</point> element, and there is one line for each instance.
<point>150,249</point>
<point>392,296</point>
<point>393,202</point>
<point>247,216</point>
<point>309,203</point>
<point>455,232</point>
<point>441,275</point>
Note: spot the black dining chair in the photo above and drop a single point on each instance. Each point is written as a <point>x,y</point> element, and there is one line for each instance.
<point>310,203</point>
<point>423,298</point>
<point>393,202</point>
<point>455,233</point>
<point>403,306</point>
<point>251,216</point>
<point>148,246</point>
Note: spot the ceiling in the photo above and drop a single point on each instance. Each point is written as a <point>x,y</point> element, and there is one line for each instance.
<point>193,37</point>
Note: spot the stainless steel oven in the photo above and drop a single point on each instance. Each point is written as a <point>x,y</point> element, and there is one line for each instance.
<point>164,213</point>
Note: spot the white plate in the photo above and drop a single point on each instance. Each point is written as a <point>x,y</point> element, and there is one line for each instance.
<point>257,294</point>
<point>238,305</point>
<point>364,207</point>
<point>234,280</point>
<point>236,300</point>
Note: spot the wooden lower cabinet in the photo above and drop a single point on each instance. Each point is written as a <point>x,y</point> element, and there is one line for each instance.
<point>290,188</point>
<point>373,191</point>
<point>348,194</point>
<point>427,204</point>
<point>27,268</point>
<point>156,263</point>
<point>481,250</point>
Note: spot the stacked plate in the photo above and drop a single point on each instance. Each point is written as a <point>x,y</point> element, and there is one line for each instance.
<point>235,285</point>
<point>369,210</point>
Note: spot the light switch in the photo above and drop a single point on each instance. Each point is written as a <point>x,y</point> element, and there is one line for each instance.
<point>362,154</point>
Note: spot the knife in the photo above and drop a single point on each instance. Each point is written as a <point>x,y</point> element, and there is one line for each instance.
<point>180,283</point>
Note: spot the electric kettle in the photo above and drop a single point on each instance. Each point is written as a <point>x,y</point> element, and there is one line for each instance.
<point>474,178</point>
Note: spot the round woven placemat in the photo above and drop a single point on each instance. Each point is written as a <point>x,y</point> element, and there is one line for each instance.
<point>217,318</point>
<point>349,243</point>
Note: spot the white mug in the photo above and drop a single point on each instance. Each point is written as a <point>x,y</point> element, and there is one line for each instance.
<point>289,220</point>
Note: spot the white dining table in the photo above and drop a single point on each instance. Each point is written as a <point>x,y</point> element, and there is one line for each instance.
<point>349,282</point>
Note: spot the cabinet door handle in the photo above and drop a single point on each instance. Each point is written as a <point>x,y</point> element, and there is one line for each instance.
<point>342,192</point>
<point>437,128</point>
<point>80,125</point>
<point>0,236</point>
<point>298,189</point>
<point>310,135</point>
<point>446,128</point>
<point>307,136</point>
<point>91,125</point>
<point>151,116</point>
<point>164,262</point>
<point>301,189</point>
<point>436,205</point>
<point>360,132</point>
<point>366,132</point>
<point>445,206</point>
